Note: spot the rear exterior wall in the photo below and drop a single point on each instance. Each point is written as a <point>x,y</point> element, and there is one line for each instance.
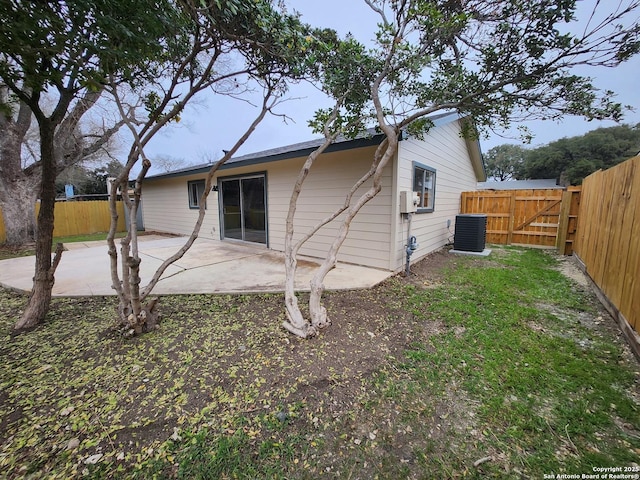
<point>378,235</point>
<point>370,237</point>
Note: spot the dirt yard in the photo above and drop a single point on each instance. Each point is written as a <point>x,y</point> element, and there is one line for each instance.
<point>404,382</point>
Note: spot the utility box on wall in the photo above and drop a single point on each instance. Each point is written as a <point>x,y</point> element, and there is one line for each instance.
<point>409,201</point>
<point>470,234</point>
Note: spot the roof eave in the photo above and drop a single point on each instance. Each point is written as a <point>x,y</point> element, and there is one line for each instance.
<point>301,153</point>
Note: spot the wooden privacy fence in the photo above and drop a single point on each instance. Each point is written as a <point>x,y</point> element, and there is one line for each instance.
<point>539,218</point>
<point>608,240</point>
<point>79,218</point>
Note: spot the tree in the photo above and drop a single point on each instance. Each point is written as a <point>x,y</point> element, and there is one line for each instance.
<point>20,155</point>
<point>99,176</point>
<point>167,163</point>
<point>345,75</point>
<point>65,51</point>
<point>570,160</point>
<point>86,181</point>
<point>491,61</point>
<point>505,162</point>
<point>229,47</point>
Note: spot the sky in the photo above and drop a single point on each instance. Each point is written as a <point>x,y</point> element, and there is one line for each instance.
<point>212,123</point>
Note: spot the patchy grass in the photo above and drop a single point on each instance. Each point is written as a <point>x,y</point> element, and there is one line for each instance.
<point>502,362</point>
<point>7,251</point>
<point>91,237</point>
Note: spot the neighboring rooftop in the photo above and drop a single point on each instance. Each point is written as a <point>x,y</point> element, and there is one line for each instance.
<point>540,184</point>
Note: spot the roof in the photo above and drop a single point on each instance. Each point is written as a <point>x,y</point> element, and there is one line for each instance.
<point>296,150</point>
<point>366,139</point>
<point>540,184</point>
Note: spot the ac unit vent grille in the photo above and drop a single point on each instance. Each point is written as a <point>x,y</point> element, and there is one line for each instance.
<point>470,234</point>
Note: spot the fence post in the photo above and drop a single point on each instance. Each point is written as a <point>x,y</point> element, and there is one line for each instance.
<point>512,214</point>
<point>563,223</point>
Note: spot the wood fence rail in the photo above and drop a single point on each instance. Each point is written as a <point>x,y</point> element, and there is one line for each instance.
<point>527,217</point>
<point>79,218</point>
<point>608,240</point>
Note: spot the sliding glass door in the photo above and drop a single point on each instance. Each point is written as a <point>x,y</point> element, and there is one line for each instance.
<point>243,208</point>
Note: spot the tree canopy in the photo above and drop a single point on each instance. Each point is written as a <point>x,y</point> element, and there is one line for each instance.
<point>73,46</point>
<point>572,159</point>
<point>66,51</point>
<point>505,162</point>
<point>569,160</point>
<point>498,61</point>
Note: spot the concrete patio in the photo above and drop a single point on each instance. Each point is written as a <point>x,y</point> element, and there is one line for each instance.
<point>210,266</point>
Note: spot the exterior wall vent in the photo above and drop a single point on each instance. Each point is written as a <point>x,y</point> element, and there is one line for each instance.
<point>470,234</point>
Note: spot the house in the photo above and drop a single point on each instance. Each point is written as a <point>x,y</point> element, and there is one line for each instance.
<point>251,195</point>
<point>536,184</point>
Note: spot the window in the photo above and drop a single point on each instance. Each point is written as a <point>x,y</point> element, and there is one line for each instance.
<point>424,183</point>
<point>196,189</point>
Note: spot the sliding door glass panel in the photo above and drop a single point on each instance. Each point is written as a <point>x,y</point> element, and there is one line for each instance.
<point>231,209</point>
<point>244,213</point>
<point>253,210</point>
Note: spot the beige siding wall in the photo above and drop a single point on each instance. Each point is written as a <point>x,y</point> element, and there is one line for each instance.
<point>165,208</point>
<point>370,238</point>
<point>378,235</point>
<point>444,150</point>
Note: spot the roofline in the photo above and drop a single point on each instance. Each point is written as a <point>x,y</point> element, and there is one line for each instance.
<point>475,154</point>
<point>445,118</point>
<point>266,156</point>
<point>304,152</point>
<point>260,159</point>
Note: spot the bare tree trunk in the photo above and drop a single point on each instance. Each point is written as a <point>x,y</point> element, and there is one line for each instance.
<point>43,280</point>
<point>18,188</point>
<point>296,323</point>
<point>384,153</point>
<point>318,312</point>
<point>17,201</point>
<point>40,297</point>
<point>136,315</point>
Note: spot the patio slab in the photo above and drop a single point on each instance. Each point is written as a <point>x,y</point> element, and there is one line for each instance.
<point>210,266</point>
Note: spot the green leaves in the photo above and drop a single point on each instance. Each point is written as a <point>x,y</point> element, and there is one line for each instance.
<point>574,158</point>
<point>496,60</point>
<point>505,162</point>
<point>78,44</point>
<point>270,41</point>
<point>420,127</point>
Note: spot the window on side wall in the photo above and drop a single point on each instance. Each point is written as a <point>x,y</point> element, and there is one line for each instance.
<point>196,189</point>
<point>424,184</point>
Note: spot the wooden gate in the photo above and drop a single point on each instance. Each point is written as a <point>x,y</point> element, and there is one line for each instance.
<point>538,218</point>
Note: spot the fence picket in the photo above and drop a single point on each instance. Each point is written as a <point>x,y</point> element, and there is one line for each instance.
<point>79,218</point>
<point>607,240</point>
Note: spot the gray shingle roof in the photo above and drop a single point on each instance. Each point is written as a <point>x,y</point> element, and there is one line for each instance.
<point>368,138</point>
<point>296,150</point>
